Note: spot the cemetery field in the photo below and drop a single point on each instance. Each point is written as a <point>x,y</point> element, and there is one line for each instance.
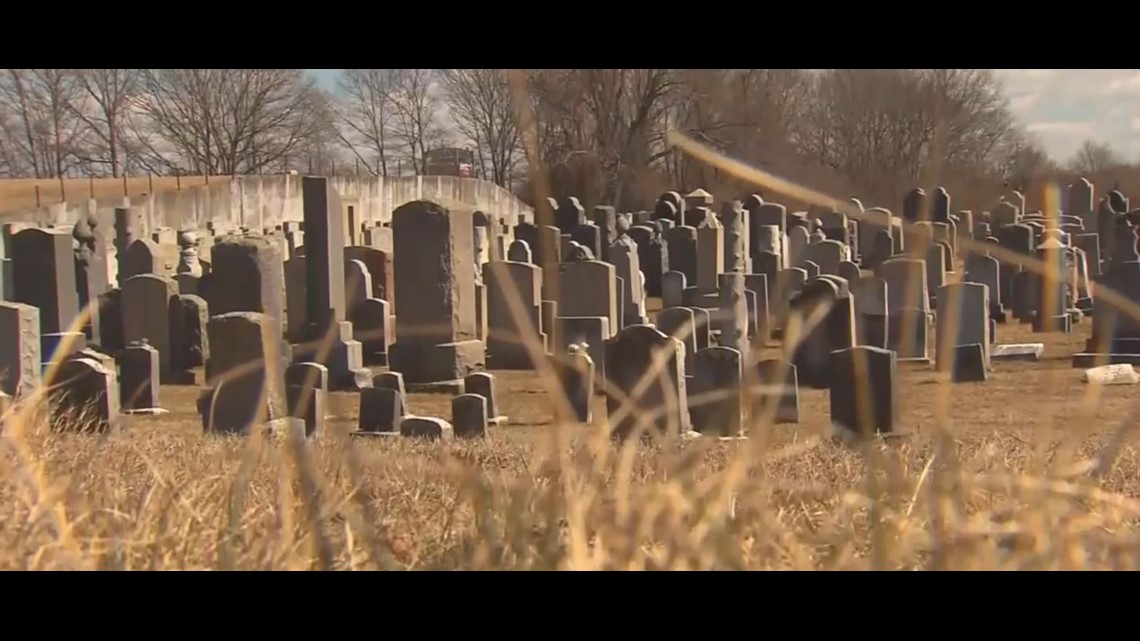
<point>20,193</point>
<point>162,495</point>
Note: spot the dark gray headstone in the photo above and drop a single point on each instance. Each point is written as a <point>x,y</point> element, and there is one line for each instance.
<point>864,390</point>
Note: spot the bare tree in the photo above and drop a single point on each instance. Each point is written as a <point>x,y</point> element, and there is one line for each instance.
<point>227,121</point>
<point>104,106</point>
<point>417,102</point>
<point>1023,161</point>
<point>365,109</point>
<point>481,104</point>
<point>43,128</point>
<point>1093,157</point>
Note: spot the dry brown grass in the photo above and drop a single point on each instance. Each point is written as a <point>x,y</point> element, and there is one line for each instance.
<point>20,193</point>
<point>1007,494</point>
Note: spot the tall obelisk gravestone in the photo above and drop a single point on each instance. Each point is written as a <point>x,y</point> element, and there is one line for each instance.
<point>324,296</point>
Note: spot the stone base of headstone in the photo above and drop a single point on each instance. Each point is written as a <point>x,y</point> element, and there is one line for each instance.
<point>366,434</point>
<point>285,427</point>
<point>1029,352</point>
<point>844,436</point>
<point>344,359</point>
<point>146,411</point>
<point>1062,324</point>
<point>1088,359</point>
<point>426,427</point>
<point>437,367</point>
<point>969,364</point>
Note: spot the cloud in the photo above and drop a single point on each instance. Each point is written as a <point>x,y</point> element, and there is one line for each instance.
<point>1063,107</point>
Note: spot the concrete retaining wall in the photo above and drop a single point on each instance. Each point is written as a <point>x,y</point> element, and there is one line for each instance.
<point>265,201</point>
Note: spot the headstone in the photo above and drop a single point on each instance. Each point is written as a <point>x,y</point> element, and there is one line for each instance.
<point>306,391</point>
<point>244,373</point>
<point>43,267</point>
<point>139,379</point>
<point>963,319</point>
<point>824,321</point>
<point>469,415</point>
<point>326,306</point>
<point>710,255</point>
<point>864,390</point>
<point>590,289</point>
<point>682,243</point>
<point>575,375</point>
<point>714,392</point>
<point>733,311</point>
<point>673,286</point>
<point>435,295</point>
<point>426,427</point>
<point>776,384</point>
<point>637,352</point>
<point>483,384</point>
<point>151,313</point>
<point>519,252</point>
<point>590,335</point>
<point>509,328</point>
<point>84,397</point>
<point>622,254</point>
<point>20,359</point>
<point>381,410</point>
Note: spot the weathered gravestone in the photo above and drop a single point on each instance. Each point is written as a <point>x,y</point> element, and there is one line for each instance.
<point>509,328</point>
<point>469,415</point>
<point>435,295</point>
<point>43,266</point>
<point>326,307</point>
<point>306,393</point>
<point>589,288</point>
<point>139,367</point>
<point>824,320</point>
<point>151,313</point>
<point>483,384</point>
<point>381,411</point>
<point>715,401</point>
<point>84,397</point>
<point>864,390</point>
<point>245,373</point>
<point>426,427</point>
<point>640,354</point>
<point>963,319</point>
<point>20,360</point>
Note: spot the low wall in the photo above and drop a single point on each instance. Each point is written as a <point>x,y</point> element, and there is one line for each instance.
<point>265,201</point>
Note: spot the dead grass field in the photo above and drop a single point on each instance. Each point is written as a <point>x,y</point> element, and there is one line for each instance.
<point>20,193</point>
<point>1007,489</point>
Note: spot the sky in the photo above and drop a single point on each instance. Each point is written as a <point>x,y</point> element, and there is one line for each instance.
<point>1062,107</point>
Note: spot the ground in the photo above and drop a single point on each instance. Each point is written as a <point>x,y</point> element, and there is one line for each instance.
<point>1010,487</point>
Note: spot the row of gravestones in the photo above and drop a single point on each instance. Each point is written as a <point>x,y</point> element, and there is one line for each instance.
<point>246,276</point>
